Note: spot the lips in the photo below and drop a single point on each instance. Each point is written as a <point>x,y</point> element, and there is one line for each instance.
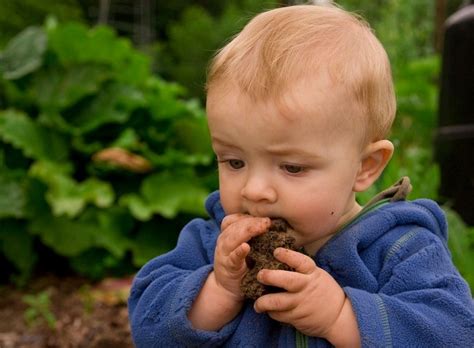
<point>272,217</point>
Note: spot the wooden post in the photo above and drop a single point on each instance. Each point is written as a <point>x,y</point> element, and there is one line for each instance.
<point>440,17</point>
<point>104,9</point>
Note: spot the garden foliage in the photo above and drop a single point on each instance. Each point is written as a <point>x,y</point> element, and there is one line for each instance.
<point>98,157</point>
<point>181,59</point>
<point>102,162</point>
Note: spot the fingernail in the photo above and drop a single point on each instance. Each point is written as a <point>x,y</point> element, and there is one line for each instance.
<point>276,252</point>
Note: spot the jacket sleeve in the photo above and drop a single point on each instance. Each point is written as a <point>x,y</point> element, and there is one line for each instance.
<point>164,289</point>
<point>422,301</point>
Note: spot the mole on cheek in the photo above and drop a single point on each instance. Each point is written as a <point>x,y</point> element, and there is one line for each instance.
<point>332,213</point>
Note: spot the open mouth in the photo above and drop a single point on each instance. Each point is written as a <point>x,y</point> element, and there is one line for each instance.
<point>279,225</point>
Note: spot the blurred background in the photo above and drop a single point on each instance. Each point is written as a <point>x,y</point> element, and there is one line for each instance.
<point>104,151</point>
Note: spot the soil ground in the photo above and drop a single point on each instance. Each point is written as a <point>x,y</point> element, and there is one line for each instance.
<point>66,313</point>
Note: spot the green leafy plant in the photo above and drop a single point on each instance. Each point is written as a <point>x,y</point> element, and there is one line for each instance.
<point>461,244</point>
<point>102,162</point>
<point>39,309</point>
<point>16,15</point>
<point>93,149</point>
<point>197,34</point>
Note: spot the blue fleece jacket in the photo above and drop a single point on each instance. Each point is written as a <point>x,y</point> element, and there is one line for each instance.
<point>393,263</point>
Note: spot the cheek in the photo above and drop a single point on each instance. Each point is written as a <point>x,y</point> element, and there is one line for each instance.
<point>322,213</point>
<point>230,196</point>
<point>318,213</point>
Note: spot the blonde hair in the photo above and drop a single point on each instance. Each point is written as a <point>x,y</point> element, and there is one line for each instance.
<point>284,45</point>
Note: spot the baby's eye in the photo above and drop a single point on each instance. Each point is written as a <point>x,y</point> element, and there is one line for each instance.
<point>236,164</point>
<point>293,169</point>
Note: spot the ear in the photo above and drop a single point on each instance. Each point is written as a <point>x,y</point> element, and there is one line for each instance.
<point>374,159</point>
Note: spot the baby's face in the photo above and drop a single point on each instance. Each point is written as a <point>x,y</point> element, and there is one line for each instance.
<point>299,164</point>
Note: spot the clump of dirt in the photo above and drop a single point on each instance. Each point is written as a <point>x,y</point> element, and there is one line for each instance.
<point>261,256</point>
<point>65,312</point>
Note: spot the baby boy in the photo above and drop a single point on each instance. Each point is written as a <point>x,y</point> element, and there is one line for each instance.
<point>299,108</point>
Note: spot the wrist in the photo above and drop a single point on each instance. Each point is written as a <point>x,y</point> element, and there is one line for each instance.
<point>214,306</point>
<point>345,331</point>
<point>223,293</point>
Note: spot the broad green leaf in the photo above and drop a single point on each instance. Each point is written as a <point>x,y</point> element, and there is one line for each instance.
<point>95,263</point>
<point>17,246</point>
<point>53,119</point>
<point>12,195</point>
<point>11,94</point>
<point>24,53</point>
<point>116,224</point>
<point>82,145</point>
<point>163,99</point>
<point>94,228</point>
<point>113,105</point>
<point>128,139</point>
<point>139,208</point>
<point>65,236</point>
<point>33,140</point>
<point>74,43</point>
<point>192,136</point>
<point>65,195</point>
<point>417,98</point>
<point>167,194</point>
<point>154,238</point>
<point>135,69</point>
<point>36,204</point>
<point>57,88</point>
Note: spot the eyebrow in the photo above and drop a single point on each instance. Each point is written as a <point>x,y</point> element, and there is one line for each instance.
<point>285,151</point>
<point>276,150</point>
<point>222,142</point>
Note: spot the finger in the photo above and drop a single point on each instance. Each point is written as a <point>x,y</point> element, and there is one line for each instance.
<point>281,316</point>
<point>237,257</point>
<point>239,218</point>
<point>230,219</point>
<point>296,260</point>
<point>242,231</point>
<point>277,302</point>
<point>288,280</point>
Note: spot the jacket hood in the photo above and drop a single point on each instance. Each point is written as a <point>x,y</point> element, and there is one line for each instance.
<point>423,213</point>
<point>389,225</point>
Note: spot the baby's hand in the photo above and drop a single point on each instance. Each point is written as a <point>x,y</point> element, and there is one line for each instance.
<point>313,301</point>
<point>232,248</point>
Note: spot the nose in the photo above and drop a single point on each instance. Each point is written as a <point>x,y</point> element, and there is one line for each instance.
<point>258,188</point>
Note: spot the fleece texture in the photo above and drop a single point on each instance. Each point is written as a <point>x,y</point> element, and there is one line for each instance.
<point>392,262</point>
